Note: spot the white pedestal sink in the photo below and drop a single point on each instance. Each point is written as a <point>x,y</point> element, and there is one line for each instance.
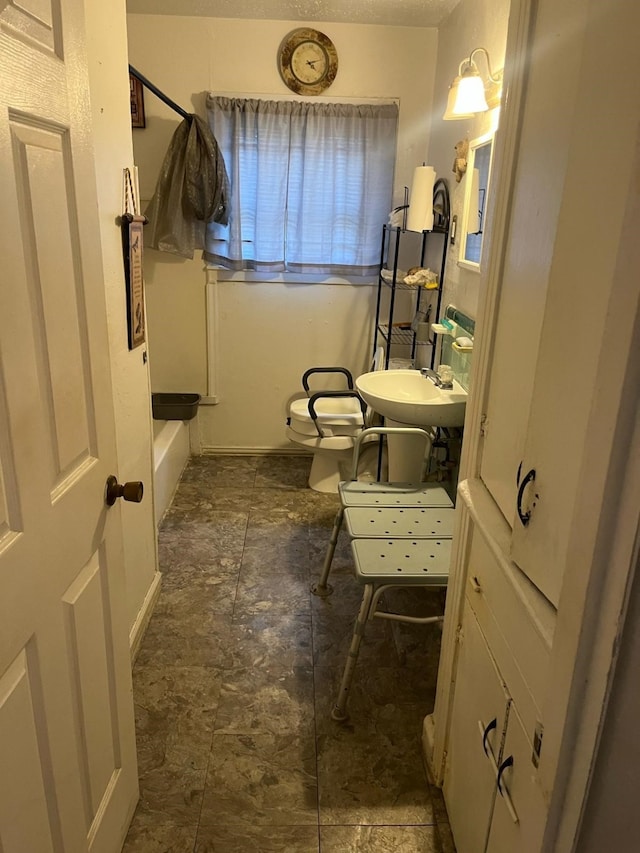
<point>406,398</point>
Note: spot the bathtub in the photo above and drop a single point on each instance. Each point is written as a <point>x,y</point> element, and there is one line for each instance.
<point>170,454</point>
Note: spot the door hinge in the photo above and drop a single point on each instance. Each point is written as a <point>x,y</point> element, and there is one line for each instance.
<point>483,424</point>
<point>459,633</point>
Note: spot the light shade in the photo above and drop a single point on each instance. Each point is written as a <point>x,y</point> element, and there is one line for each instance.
<point>469,94</point>
<point>471,97</point>
<point>449,114</point>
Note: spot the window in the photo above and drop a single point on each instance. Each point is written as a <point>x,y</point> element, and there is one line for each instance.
<point>311,185</point>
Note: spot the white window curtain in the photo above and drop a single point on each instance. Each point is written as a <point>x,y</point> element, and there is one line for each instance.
<point>311,185</point>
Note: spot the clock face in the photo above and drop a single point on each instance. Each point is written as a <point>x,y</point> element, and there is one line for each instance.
<point>308,61</point>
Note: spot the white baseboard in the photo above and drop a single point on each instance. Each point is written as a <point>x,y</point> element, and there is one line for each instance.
<point>144,615</point>
<point>254,451</point>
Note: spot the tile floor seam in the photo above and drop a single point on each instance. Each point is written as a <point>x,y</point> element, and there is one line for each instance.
<point>315,715</point>
<point>313,686</point>
<point>244,544</point>
<point>204,788</point>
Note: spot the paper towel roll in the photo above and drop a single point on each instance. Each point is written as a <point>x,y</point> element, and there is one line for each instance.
<point>420,217</point>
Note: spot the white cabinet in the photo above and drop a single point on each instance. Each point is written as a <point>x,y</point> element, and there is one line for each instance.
<point>495,804</point>
<point>491,788</point>
<point>479,718</point>
<point>556,388</point>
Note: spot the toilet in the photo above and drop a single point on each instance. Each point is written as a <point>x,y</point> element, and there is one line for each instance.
<point>340,419</point>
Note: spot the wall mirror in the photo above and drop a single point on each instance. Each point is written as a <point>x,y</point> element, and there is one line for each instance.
<point>475,201</point>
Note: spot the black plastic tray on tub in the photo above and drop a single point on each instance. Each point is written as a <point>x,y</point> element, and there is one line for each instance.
<point>174,407</point>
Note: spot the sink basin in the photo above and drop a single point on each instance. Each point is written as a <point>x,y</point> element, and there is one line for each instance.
<point>408,397</point>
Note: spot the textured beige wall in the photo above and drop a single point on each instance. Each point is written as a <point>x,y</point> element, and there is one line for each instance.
<point>269,333</point>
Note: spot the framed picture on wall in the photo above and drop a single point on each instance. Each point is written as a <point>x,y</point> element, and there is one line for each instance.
<point>137,102</point>
<point>132,251</point>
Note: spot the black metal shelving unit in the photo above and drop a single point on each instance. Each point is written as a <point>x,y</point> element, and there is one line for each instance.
<point>392,238</point>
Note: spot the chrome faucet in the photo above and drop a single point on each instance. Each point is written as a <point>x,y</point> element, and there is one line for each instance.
<point>428,373</point>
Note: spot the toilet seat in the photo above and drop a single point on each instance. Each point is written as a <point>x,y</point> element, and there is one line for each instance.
<point>337,416</point>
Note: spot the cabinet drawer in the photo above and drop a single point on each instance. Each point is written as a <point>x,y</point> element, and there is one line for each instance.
<point>515,635</point>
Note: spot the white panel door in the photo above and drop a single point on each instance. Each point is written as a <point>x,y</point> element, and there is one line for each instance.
<point>548,395</point>
<point>68,776</point>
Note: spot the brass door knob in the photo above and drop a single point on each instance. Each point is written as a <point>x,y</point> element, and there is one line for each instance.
<point>132,491</point>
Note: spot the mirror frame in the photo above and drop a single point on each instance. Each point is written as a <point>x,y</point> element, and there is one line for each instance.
<point>474,144</point>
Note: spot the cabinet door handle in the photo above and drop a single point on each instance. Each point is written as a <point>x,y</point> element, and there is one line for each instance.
<point>492,725</point>
<point>487,751</point>
<point>525,517</point>
<point>508,762</point>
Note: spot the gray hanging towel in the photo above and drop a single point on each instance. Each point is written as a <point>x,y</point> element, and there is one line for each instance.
<point>192,189</point>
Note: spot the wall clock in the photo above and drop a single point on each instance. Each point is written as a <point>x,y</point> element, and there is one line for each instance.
<point>308,61</point>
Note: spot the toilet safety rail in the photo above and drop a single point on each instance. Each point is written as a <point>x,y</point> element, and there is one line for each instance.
<point>320,395</point>
<point>312,370</point>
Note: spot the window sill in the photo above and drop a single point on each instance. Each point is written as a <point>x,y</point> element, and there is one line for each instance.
<point>218,274</point>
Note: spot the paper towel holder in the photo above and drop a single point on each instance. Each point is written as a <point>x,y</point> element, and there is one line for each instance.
<point>433,211</point>
<point>441,206</point>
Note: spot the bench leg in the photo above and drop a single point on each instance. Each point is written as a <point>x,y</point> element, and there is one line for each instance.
<point>339,712</point>
<point>322,588</point>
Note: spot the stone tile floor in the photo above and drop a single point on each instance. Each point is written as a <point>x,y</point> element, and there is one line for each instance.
<point>239,667</point>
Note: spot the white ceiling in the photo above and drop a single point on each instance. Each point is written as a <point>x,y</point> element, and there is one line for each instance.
<point>401,13</point>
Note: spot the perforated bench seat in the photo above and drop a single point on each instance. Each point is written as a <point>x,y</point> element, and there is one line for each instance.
<point>398,561</point>
<point>401,522</point>
<point>359,493</point>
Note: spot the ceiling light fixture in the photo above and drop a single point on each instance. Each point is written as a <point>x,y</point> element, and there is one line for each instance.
<point>452,99</point>
<point>468,94</point>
